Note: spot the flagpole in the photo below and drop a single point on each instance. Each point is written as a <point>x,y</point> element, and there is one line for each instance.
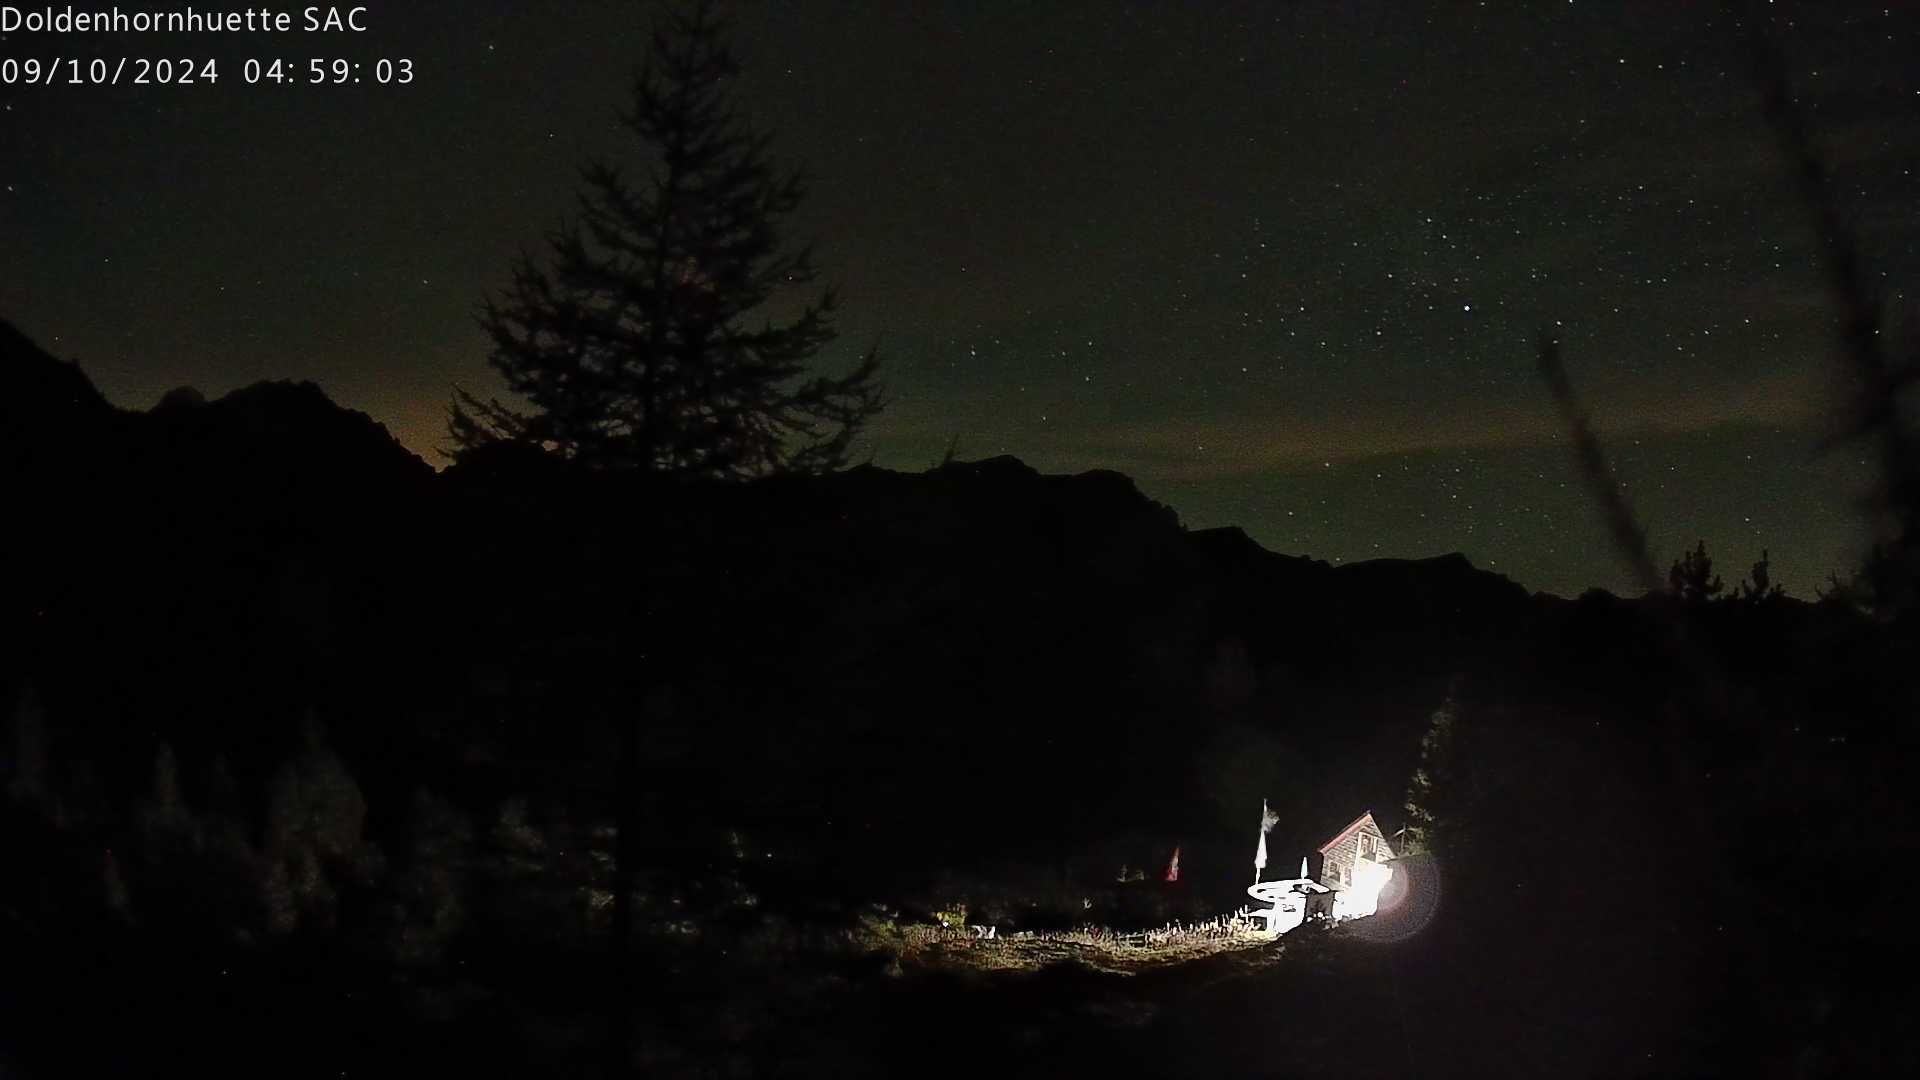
<point>1260,853</point>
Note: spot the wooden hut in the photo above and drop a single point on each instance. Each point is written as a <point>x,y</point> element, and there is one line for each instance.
<point>1352,865</point>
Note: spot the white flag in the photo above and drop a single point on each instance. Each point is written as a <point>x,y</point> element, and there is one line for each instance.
<point>1260,853</point>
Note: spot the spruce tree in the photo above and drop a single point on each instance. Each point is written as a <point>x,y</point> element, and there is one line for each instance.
<point>1692,579</point>
<point>1759,586</point>
<point>645,342</point>
<point>635,345</point>
<point>1427,788</point>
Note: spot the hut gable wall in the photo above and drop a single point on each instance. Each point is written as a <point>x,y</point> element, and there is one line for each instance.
<point>1362,839</point>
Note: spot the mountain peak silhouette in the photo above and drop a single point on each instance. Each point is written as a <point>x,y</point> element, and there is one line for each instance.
<point>46,404</point>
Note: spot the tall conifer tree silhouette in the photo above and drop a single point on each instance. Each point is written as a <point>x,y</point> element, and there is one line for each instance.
<point>635,343</point>
<point>640,344</point>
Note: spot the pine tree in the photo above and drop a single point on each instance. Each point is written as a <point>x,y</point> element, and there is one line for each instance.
<point>643,341</point>
<point>26,774</point>
<point>634,345</point>
<point>1427,786</point>
<point>1885,584</point>
<point>1759,585</point>
<point>1692,579</point>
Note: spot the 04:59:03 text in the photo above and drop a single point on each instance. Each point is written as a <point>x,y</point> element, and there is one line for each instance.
<point>337,71</point>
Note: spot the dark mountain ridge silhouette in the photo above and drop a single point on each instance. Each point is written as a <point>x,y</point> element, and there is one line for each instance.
<point>181,544</point>
<point>295,534</point>
<point>281,553</point>
<point>277,554</point>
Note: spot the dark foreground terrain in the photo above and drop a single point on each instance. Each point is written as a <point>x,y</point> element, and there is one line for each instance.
<point>309,770</point>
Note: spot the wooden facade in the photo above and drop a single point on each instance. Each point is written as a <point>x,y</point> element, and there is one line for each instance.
<point>1362,839</point>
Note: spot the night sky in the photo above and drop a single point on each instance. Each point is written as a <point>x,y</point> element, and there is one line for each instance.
<point>1281,263</point>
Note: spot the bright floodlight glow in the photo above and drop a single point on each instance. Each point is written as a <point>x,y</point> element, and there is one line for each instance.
<point>1362,898</point>
<point>1406,905</point>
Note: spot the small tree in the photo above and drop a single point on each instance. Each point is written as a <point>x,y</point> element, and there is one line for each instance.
<point>316,821</point>
<point>1426,789</point>
<point>165,821</point>
<point>1759,585</point>
<point>26,775</point>
<point>1881,588</point>
<point>634,346</point>
<point>429,891</point>
<point>1692,579</point>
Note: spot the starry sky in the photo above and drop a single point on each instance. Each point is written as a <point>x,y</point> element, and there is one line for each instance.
<point>1281,263</point>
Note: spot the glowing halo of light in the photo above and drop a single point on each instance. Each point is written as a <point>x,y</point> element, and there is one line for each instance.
<point>1406,903</point>
<point>1361,898</point>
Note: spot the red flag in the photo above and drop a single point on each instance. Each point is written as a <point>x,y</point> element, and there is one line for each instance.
<point>1173,867</point>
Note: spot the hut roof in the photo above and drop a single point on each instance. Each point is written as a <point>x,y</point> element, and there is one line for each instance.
<point>1344,833</point>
